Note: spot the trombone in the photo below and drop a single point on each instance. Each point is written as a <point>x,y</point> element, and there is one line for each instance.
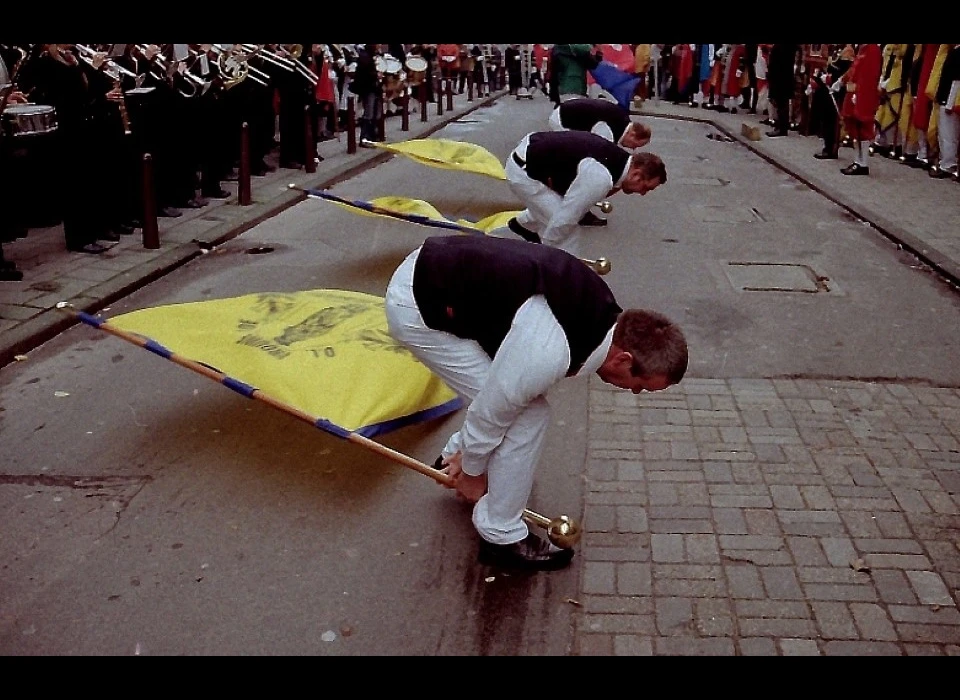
<point>114,70</point>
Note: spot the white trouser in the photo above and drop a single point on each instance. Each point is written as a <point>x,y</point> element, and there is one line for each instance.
<point>948,130</point>
<point>542,203</point>
<point>554,121</point>
<point>464,366</point>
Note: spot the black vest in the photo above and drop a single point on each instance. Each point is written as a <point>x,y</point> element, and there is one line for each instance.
<point>553,157</point>
<point>584,114</point>
<point>472,286</point>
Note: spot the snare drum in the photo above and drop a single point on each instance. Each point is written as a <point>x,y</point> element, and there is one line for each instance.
<point>29,120</point>
<point>416,70</point>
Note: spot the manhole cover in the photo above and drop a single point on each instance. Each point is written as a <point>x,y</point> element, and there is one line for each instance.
<point>774,277</point>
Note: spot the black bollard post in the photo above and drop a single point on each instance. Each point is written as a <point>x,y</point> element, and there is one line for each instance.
<point>151,231</point>
<point>311,144</point>
<point>351,125</point>
<point>449,95</point>
<point>244,192</point>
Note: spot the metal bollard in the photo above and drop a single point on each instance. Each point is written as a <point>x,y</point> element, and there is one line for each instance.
<point>449,95</point>
<point>311,143</point>
<point>469,88</point>
<point>439,93</point>
<point>151,231</point>
<point>351,125</point>
<point>405,111</point>
<point>423,100</point>
<point>244,193</point>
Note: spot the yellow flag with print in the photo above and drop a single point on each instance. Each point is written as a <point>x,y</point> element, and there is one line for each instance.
<point>449,155</point>
<point>325,352</point>
<point>417,211</point>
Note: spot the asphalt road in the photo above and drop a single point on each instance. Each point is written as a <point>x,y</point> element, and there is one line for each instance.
<point>168,516</point>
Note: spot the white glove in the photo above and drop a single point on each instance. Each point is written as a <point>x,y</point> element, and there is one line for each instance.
<point>853,99</point>
<point>837,86</point>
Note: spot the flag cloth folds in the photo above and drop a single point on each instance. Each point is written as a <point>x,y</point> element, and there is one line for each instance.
<point>325,352</point>
<point>417,211</point>
<point>620,84</point>
<point>449,155</point>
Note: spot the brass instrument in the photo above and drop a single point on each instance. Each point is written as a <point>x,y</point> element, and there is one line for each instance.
<point>605,207</point>
<point>601,265</point>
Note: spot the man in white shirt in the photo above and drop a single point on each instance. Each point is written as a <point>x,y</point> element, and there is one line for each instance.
<point>603,118</point>
<point>502,321</point>
<point>560,175</point>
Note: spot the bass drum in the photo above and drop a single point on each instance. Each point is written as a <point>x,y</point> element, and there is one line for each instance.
<point>29,120</point>
<point>416,70</point>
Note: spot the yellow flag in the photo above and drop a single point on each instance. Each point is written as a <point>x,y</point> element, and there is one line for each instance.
<point>325,352</point>
<point>418,211</point>
<point>449,155</point>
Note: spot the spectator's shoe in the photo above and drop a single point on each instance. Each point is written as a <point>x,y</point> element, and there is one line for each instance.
<point>169,212</point>
<point>591,219</point>
<point>855,169</point>
<point>90,249</point>
<point>10,274</point>
<point>939,173</point>
<point>876,150</point>
<point>216,194</point>
<point>523,232</point>
<point>824,155</point>
<point>529,554</point>
<point>775,133</point>
<point>123,229</point>
<point>110,236</point>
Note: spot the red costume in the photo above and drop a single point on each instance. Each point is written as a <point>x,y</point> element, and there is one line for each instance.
<point>863,93</point>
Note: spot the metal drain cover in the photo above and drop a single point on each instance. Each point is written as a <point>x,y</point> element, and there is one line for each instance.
<point>774,277</point>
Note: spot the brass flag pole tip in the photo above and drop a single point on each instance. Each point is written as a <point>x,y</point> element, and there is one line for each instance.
<point>606,207</point>
<point>564,532</point>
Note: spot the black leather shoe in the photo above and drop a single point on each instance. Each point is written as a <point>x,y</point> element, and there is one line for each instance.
<point>90,249</point>
<point>524,233</point>
<point>291,165</point>
<point>169,213</point>
<point>10,274</point>
<point>216,194</point>
<point>110,236</point>
<point>825,156</point>
<point>774,133</point>
<point>529,554</point>
<point>591,219</point>
<point>855,169</point>
<point>123,229</point>
<point>939,173</point>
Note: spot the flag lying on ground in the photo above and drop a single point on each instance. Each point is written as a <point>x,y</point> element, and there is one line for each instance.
<point>416,211</point>
<point>325,353</point>
<point>449,155</point>
<point>620,84</point>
